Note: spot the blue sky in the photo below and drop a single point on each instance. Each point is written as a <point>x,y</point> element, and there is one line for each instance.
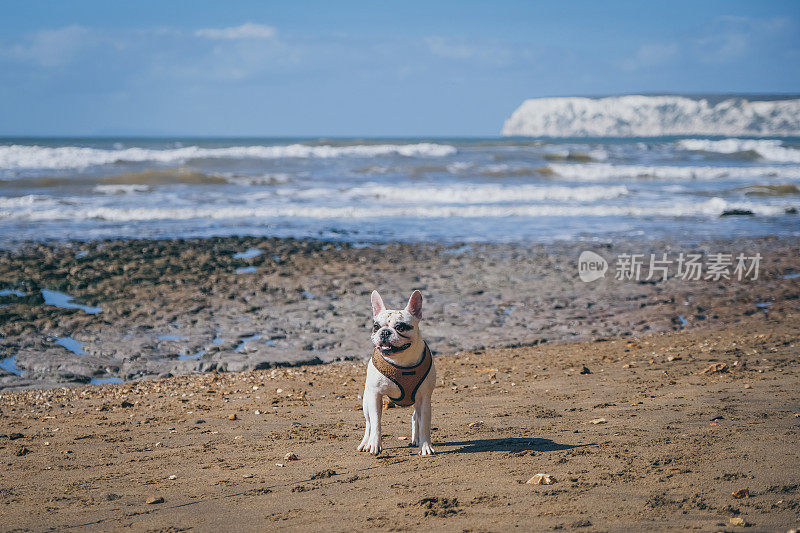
<point>367,68</point>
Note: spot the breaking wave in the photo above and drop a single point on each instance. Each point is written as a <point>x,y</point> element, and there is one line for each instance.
<point>769,149</point>
<point>607,171</point>
<point>710,208</point>
<point>392,189</point>
<point>15,157</point>
<point>121,189</point>
<point>464,194</point>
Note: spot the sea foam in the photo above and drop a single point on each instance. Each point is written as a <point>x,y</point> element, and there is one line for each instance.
<point>769,149</point>
<point>462,194</point>
<point>608,171</point>
<point>15,157</point>
<point>708,208</point>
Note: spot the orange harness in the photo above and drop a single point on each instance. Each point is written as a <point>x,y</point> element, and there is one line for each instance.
<point>407,378</point>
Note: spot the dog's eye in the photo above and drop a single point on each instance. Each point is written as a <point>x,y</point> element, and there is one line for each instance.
<point>376,326</point>
<point>402,327</point>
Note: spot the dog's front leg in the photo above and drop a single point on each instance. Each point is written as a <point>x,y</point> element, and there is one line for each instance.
<point>415,426</point>
<point>423,409</point>
<point>372,412</point>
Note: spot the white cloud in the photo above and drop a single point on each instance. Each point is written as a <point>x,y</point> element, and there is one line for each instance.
<point>651,55</point>
<point>491,53</point>
<point>726,39</point>
<point>442,47</point>
<point>51,48</point>
<point>729,38</point>
<point>248,30</point>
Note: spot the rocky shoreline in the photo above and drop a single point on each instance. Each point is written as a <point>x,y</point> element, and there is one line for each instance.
<point>147,308</point>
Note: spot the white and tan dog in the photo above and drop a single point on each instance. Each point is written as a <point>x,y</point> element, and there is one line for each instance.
<point>401,368</point>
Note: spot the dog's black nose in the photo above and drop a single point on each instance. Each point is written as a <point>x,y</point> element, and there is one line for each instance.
<point>385,334</point>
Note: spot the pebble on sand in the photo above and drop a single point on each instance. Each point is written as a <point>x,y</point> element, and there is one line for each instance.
<point>741,493</point>
<point>152,500</point>
<point>290,457</point>
<point>599,421</point>
<point>715,368</point>
<point>233,417</point>
<point>541,479</point>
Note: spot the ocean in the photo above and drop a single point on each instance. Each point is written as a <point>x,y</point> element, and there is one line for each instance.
<point>413,189</point>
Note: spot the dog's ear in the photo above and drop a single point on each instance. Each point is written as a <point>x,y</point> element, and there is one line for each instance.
<point>415,305</point>
<point>377,304</point>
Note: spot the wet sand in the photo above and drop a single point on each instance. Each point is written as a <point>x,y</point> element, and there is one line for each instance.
<point>171,307</point>
<point>634,433</point>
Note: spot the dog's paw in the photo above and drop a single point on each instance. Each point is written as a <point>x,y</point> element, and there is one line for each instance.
<point>362,447</point>
<point>372,446</point>
<point>426,449</point>
<point>413,444</point>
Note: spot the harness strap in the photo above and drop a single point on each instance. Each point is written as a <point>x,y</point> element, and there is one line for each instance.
<point>407,378</point>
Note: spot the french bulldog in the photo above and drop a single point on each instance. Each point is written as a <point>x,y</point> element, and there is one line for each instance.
<point>401,368</point>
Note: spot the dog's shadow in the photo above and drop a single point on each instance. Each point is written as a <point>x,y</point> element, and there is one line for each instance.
<point>508,444</point>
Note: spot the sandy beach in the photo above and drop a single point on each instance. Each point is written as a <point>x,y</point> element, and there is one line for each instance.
<point>649,403</point>
<point>637,434</point>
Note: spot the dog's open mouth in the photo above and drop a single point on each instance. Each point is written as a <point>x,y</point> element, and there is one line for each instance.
<point>389,348</point>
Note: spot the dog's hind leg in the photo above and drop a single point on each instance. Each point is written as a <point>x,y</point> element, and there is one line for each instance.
<point>364,405</point>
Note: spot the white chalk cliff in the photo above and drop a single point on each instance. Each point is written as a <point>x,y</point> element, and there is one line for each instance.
<point>651,116</point>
